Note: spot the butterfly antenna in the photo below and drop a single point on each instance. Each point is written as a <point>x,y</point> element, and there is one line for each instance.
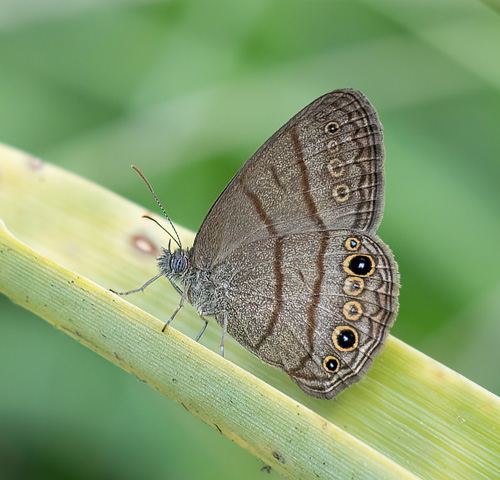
<point>165,230</point>
<point>178,240</point>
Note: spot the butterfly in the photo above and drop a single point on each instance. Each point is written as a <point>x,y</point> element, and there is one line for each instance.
<point>287,259</point>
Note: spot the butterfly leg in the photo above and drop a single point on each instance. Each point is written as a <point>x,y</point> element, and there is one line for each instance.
<point>224,331</point>
<point>140,289</point>
<point>169,321</point>
<point>202,331</point>
<point>177,289</point>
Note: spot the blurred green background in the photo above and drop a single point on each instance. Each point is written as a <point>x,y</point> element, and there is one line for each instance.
<point>188,90</point>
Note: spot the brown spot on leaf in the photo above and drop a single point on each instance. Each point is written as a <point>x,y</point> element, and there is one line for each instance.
<point>144,245</point>
<point>34,163</point>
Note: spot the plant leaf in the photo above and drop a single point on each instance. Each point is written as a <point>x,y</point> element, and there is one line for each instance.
<point>71,240</point>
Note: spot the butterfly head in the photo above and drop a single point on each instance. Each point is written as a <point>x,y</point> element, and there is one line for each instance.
<point>174,265</point>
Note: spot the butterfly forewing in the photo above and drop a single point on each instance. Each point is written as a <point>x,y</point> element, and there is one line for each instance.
<point>323,170</point>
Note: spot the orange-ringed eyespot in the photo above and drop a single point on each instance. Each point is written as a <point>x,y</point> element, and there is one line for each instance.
<point>352,244</point>
<point>331,364</point>
<point>360,265</point>
<point>331,127</point>
<point>345,338</point>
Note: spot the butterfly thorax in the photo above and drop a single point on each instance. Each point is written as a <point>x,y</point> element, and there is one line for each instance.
<point>203,294</point>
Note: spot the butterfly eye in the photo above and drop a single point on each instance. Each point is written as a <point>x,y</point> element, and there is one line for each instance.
<point>331,127</point>
<point>178,263</point>
<point>345,338</point>
<point>331,364</point>
<point>360,265</point>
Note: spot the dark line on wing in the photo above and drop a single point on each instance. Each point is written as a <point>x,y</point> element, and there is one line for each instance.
<point>278,292</point>
<point>276,177</point>
<point>277,264</point>
<point>311,205</point>
<point>259,209</point>
<point>320,273</point>
<point>311,311</point>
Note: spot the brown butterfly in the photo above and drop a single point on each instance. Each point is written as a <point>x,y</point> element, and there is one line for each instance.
<point>287,259</point>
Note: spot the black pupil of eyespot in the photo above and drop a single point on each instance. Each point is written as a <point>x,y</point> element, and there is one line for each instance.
<point>360,265</point>
<point>346,339</point>
<point>354,243</point>
<point>332,364</point>
<point>332,127</point>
